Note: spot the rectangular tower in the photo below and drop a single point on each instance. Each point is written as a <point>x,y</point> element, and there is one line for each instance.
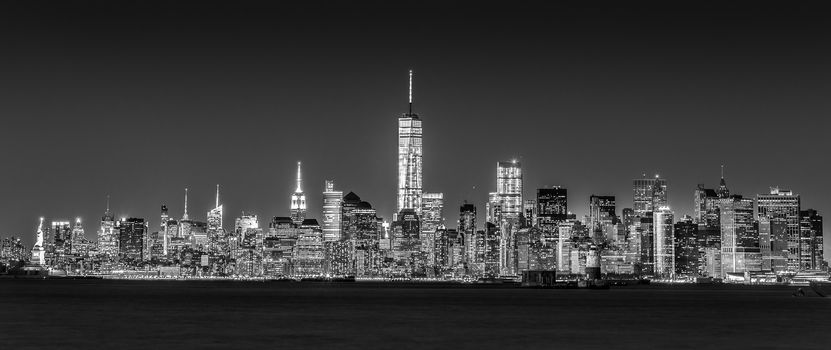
<point>782,205</point>
<point>332,204</point>
<point>649,194</point>
<point>409,159</point>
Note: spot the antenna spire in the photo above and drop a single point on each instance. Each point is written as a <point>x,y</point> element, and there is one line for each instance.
<point>722,171</point>
<point>108,204</point>
<point>411,91</point>
<point>299,179</point>
<point>185,216</point>
<point>217,196</point>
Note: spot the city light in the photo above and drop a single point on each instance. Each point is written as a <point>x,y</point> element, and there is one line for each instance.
<point>522,235</point>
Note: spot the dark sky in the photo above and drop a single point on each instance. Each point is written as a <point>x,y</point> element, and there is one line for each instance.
<point>141,99</point>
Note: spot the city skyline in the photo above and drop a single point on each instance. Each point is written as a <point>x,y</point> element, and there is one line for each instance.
<point>62,169</point>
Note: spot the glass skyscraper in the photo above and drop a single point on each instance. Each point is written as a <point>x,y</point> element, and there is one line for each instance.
<point>783,205</point>
<point>506,203</point>
<point>332,215</point>
<point>740,251</point>
<point>664,243</point>
<point>409,159</point>
<point>649,194</point>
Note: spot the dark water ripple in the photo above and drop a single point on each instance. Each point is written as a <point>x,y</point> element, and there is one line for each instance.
<point>56,314</point>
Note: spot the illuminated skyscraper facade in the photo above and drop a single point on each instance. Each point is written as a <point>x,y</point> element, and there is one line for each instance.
<point>332,215</point>
<point>132,233</point>
<point>506,203</point>
<point>410,158</point>
<point>783,205</point>
<point>810,239</point>
<point>432,206</point>
<point>107,238</point>
<point>218,240</point>
<point>552,207</point>
<point>78,238</point>
<point>215,217</point>
<point>740,251</point>
<point>601,215</point>
<point>664,243</point>
<point>649,194</point>
<point>467,230</point>
<point>298,200</point>
<point>689,248</point>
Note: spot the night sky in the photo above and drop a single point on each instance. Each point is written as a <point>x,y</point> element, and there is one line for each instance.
<point>139,100</point>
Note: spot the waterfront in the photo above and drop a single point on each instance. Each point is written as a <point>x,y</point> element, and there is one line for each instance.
<point>176,314</point>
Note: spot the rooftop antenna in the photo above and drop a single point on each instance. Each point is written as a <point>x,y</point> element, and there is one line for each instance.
<point>722,171</point>
<point>299,179</point>
<point>185,216</point>
<point>411,91</point>
<point>108,204</point>
<point>217,196</point>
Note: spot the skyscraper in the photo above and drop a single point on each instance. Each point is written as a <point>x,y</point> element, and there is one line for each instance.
<point>783,205</point>
<point>467,230</point>
<point>431,218</point>
<point>61,234</point>
<point>132,233</point>
<point>649,194</point>
<point>432,206</point>
<point>529,212</point>
<point>78,237</point>
<point>409,158</point>
<point>332,202</point>
<point>552,207</point>
<point>216,233</point>
<point>664,243</point>
<point>107,239</point>
<point>740,251</point>
<point>601,215</point>
<point>298,201</point>
<point>164,217</point>
<point>810,239</point>
<point>507,200</point>
<point>689,250</point>
<point>722,191</point>
<point>215,216</point>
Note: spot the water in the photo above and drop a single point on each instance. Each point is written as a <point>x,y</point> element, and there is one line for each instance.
<point>139,315</point>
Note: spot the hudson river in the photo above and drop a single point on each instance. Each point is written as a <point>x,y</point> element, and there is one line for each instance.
<point>109,314</point>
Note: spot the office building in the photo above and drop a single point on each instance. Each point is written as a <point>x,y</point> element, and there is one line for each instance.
<point>409,158</point>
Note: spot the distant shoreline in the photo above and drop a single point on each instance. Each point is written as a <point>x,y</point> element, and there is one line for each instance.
<point>382,284</point>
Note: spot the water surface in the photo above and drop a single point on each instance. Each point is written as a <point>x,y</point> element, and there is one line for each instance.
<point>89,314</point>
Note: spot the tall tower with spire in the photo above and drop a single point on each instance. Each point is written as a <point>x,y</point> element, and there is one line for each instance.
<point>215,216</point>
<point>722,191</point>
<point>107,240</point>
<point>298,200</point>
<point>216,233</point>
<point>410,187</point>
<point>185,215</point>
